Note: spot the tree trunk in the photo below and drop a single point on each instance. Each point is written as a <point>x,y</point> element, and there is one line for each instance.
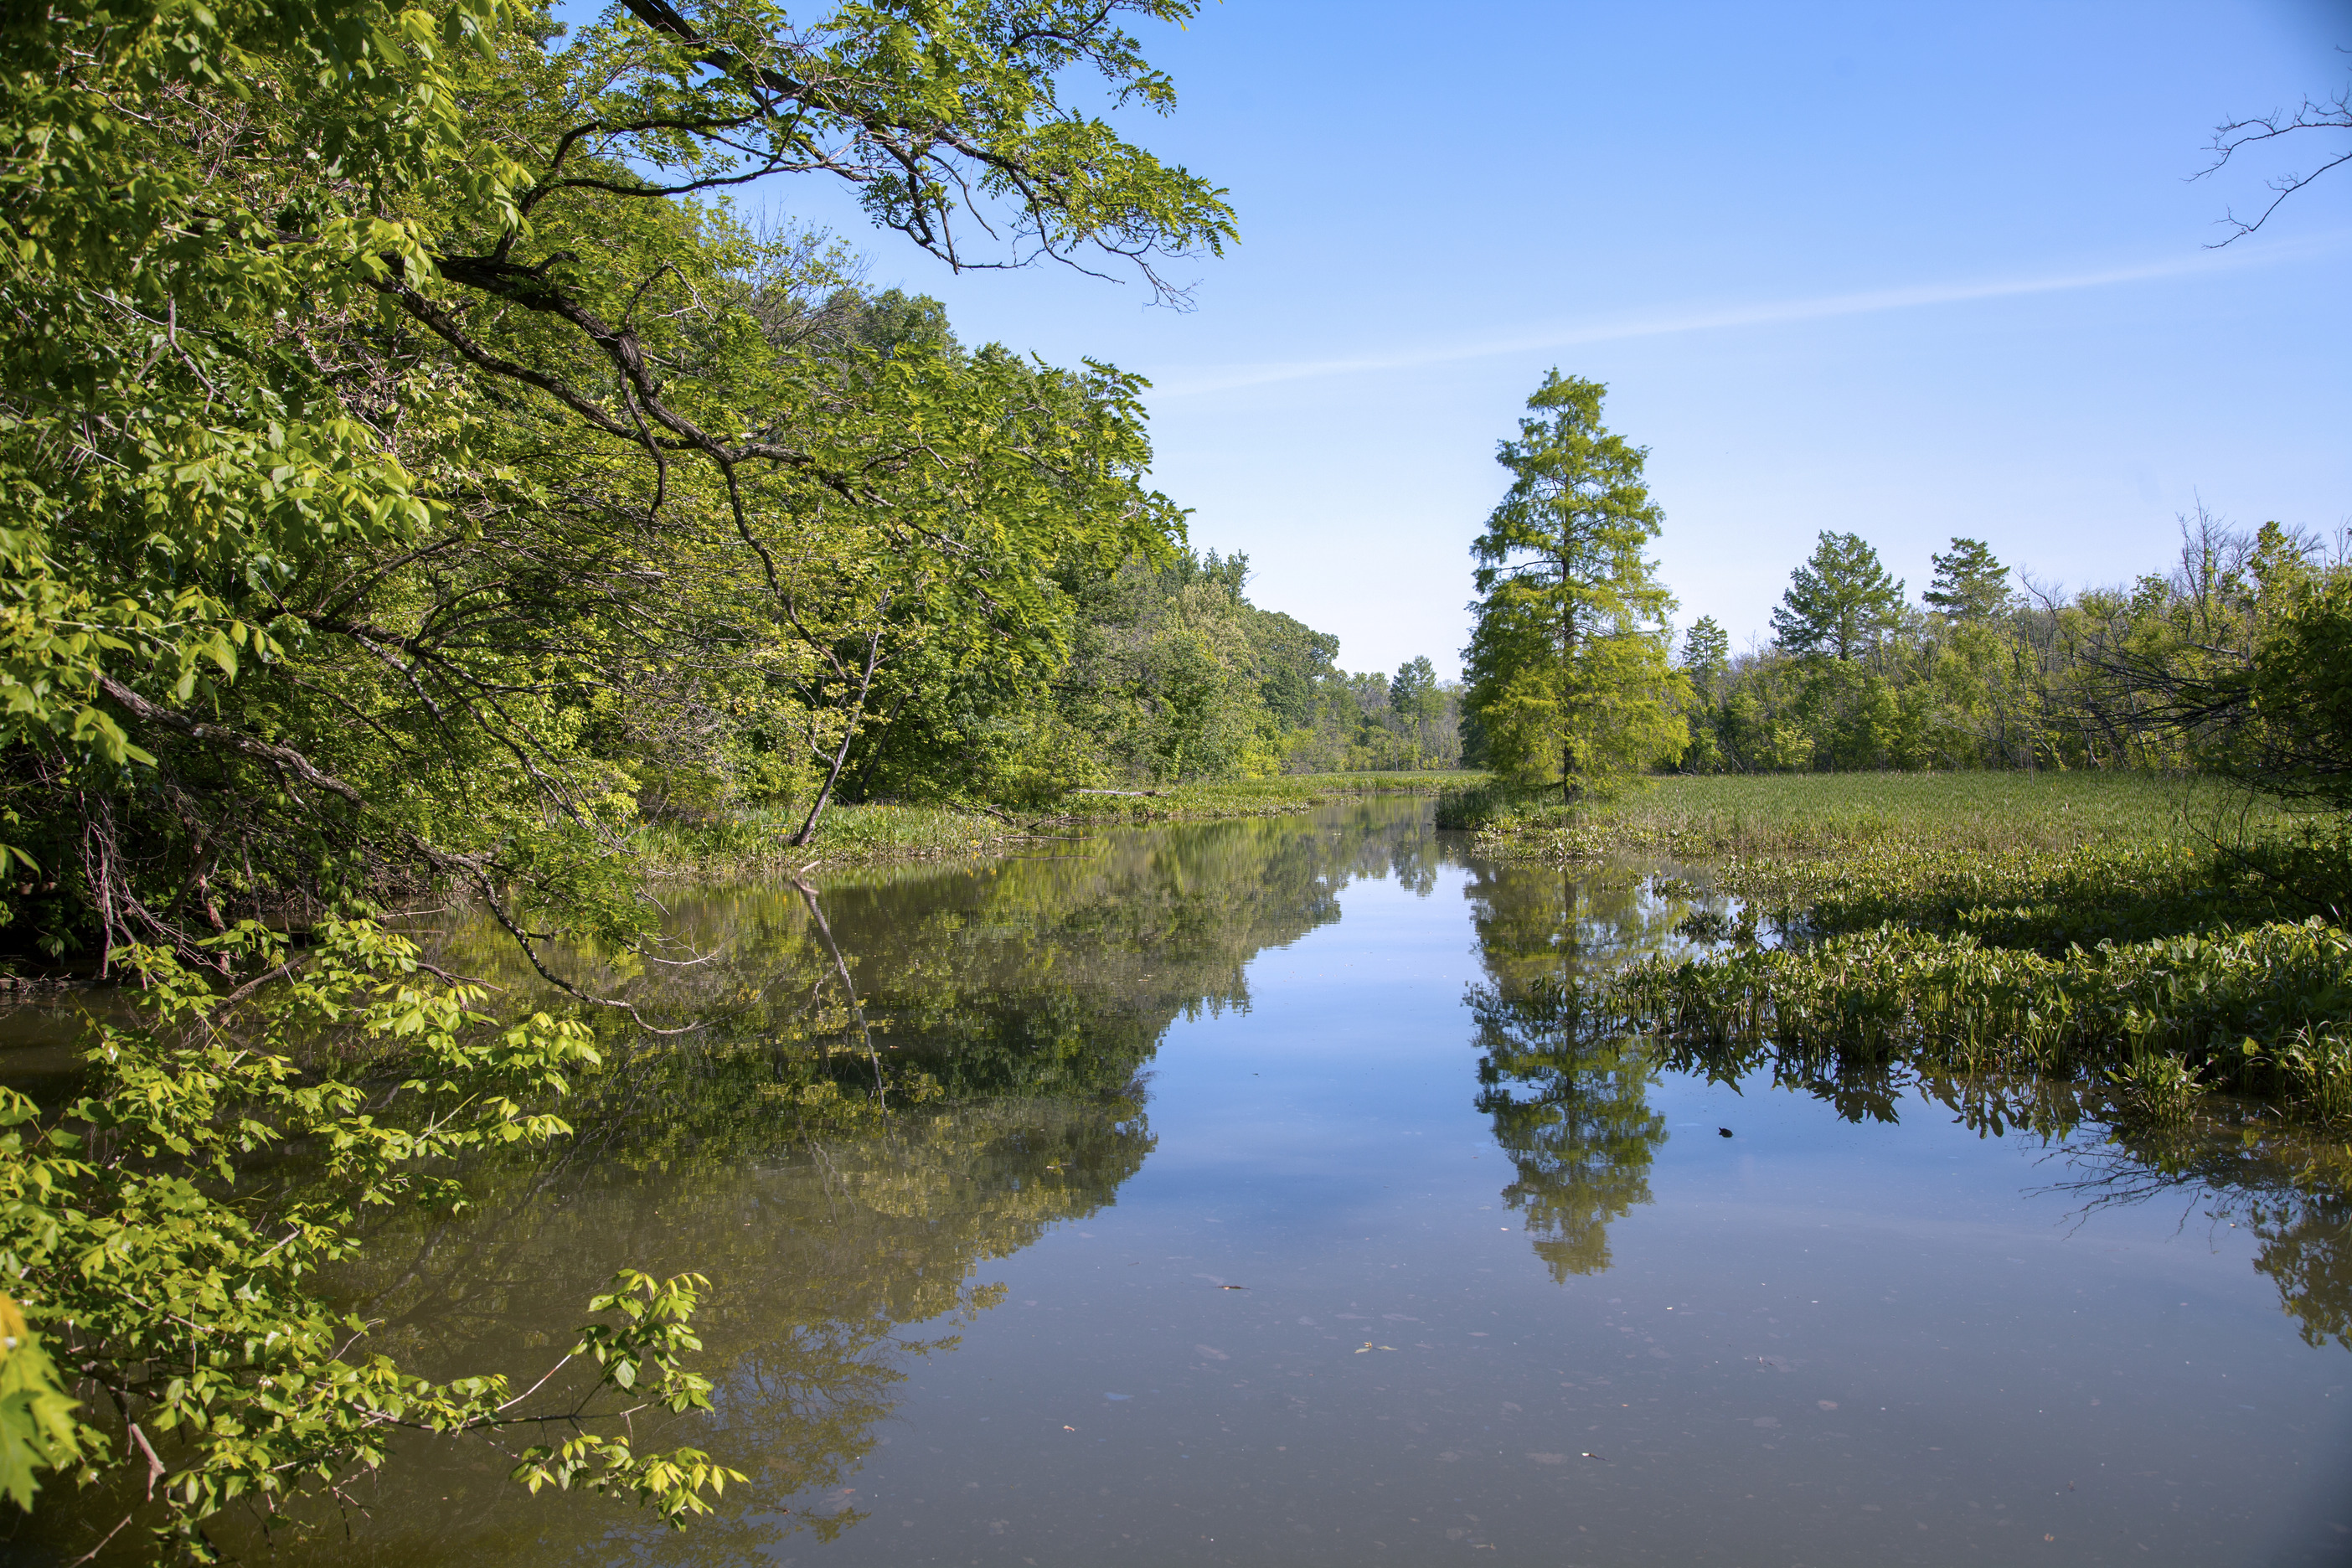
<point>840,753</point>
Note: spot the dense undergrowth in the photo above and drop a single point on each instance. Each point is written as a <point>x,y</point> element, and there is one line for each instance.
<point>2161,937</point>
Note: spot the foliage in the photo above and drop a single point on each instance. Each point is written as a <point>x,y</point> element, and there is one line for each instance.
<point>2257,1011</point>
<point>38,1431</point>
<point>2232,663</point>
<point>1842,602</point>
<point>2069,925</point>
<point>1970,583</point>
<point>168,1230</point>
<point>1568,665</point>
<point>416,470</point>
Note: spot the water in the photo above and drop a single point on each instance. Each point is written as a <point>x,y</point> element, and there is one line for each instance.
<point>1270,1214</point>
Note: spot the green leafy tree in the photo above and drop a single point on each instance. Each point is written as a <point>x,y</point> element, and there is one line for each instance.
<point>1971,585</point>
<point>1567,669</point>
<point>169,1252</point>
<point>421,393</point>
<point>1842,601</point>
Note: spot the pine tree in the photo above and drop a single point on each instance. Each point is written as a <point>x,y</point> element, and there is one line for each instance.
<point>1970,584</point>
<point>1568,667</point>
<point>1707,653</point>
<point>1842,601</point>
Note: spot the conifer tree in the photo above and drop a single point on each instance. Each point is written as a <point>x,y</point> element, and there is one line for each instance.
<point>1569,670</point>
<point>1842,601</point>
<point>1971,585</point>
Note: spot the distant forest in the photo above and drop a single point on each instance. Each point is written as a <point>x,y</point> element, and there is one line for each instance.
<point>1990,669</point>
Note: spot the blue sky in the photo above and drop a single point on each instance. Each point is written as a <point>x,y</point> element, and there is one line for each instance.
<point>1904,270</point>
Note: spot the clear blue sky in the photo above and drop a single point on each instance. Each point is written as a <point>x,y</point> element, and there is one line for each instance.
<point>1904,270</point>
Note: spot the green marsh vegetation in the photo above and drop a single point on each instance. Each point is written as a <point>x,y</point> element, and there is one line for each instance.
<point>2162,936</point>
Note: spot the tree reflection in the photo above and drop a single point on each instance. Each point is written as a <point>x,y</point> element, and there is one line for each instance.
<point>1024,996</point>
<point>833,1259</point>
<point>1571,1113</point>
<point>1570,1100</point>
<point>2238,1165</point>
<point>1568,1091</point>
<point>2231,1163</point>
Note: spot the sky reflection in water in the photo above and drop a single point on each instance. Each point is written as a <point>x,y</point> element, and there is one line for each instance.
<point>1496,1289</point>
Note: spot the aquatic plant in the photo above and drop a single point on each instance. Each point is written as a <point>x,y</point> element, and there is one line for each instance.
<point>2261,1011</point>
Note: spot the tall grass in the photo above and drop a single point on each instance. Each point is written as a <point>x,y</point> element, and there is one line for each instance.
<point>1747,816</point>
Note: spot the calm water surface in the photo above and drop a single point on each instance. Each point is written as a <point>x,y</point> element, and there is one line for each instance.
<point>1273,1215</point>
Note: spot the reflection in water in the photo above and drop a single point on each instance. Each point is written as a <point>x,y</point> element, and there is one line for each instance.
<point>1015,1008</point>
<point>822,1251</point>
<point>1568,1097</point>
<point>1015,1004</point>
<point>1571,1105</point>
<point>1572,1114</point>
<point>2239,1168</point>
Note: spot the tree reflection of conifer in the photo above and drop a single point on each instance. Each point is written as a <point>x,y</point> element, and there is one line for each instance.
<point>1573,1112</point>
<point>1568,1095</point>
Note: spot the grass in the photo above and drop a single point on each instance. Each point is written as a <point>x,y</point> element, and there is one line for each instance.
<point>2158,937</point>
<point>1743,816</point>
<point>753,841</point>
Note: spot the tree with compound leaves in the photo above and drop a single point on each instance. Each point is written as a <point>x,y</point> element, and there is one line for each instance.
<point>1568,669</point>
<point>1842,601</point>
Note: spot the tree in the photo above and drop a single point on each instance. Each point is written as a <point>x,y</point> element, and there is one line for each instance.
<point>1707,653</point>
<point>2234,136</point>
<point>1567,667</point>
<point>1706,669</point>
<point>392,413</point>
<point>422,394</point>
<point>173,1255</point>
<point>1415,701</point>
<point>1971,585</point>
<point>1840,601</point>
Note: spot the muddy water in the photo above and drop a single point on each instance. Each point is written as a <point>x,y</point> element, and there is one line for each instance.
<point>1266,1209</point>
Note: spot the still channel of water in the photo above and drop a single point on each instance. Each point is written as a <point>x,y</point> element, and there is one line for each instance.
<point>1273,1215</point>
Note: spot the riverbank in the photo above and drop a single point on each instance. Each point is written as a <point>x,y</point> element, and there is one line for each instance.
<point>880,833</point>
<point>2166,937</point>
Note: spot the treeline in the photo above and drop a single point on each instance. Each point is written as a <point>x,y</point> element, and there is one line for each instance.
<point>2238,661</point>
<point>1989,670</point>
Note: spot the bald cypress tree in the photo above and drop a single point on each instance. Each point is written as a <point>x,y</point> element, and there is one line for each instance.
<point>1569,670</point>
